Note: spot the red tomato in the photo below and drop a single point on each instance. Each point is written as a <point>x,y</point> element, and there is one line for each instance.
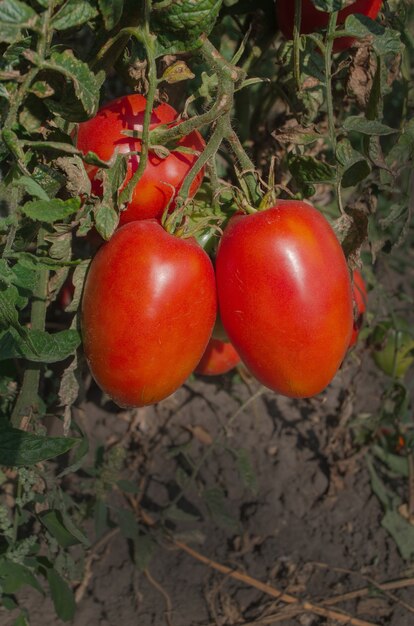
<point>162,178</point>
<point>220,357</point>
<point>65,296</point>
<point>359,292</point>
<point>313,20</point>
<point>285,296</point>
<point>148,310</point>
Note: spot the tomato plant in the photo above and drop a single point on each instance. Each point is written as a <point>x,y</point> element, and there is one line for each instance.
<point>312,19</point>
<point>219,357</point>
<point>163,177</point>
<point>285,296</point>
<point>359,293</point>
<point>148,309</point>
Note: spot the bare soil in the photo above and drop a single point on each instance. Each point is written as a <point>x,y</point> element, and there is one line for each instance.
<point>309,528</point>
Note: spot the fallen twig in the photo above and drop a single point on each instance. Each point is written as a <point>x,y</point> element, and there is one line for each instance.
<point>306,606</point>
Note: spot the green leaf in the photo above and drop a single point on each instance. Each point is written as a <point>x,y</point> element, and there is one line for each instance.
<point>128,486</point>
<point>51,210</point>
<point>245,469</point>
<point>144,547</point>
<point>100,518</point>
<point>49,179</point>
<point>8,311</point>
<point>179,24</point>
<point>86,85</point>
<point>384,40</point>
<point>73,13</point>
<point>13,576</point>
<point>367,127</point>
<point>32,187</point>
<point>396,463</point>
<point>62,595</point>
<point>81,451</point>
<point>176,514</point>
<point>106,221</point>
<point>308,170</point>
<point>3,92</point>
<point>378,486</point>
<point>21,621</point>
<point>215,500</point>
<point>42,89</point>
<point>15,16</point>
<point>9,602</point>
<point>111,12</point>
<point>18,448</point>
<point>38,346</point>
<point>355,173</point>
<point>62,529</point>
<point>32,262</point>
<point>354,166</point>
<point>401,531</point>
<point>127,523</point>
<point>14,52</point>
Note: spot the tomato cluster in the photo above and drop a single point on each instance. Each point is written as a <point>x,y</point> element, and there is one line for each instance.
<point>105,135</point>
<point>150,299</point>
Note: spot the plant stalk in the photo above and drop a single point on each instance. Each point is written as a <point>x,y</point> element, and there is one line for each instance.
<point>31,378</point>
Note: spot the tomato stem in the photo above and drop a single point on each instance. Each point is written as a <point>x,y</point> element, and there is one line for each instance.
<point>31,379</point>
<point>296,41</point>
<point>247,165</point>
<point>148,40</point>
<point>330,36</point>
<point>208,153</point>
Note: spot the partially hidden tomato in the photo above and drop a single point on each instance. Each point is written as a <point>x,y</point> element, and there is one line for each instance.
<point>285,296</point>
<point>359,293</point>
<point>312,19</point>
<point>148,310</point>
<point>162,178</point>
<point>219,358</point>
<point>65,296</point>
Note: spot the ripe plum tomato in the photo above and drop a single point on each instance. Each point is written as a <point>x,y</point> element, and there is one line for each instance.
<point>285,296</point>
<point>220,357</point>
<point>148,310</point>
<point>312,19</point>
<point>359,293</point>
<point>162,178</point>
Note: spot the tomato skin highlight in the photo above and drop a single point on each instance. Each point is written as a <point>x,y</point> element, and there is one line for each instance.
<point>162,178</point>
<point>313,20</point>
<point>359,294</point>
<point>219,358</point>
<point>148,310</point>
<point>285,296</point>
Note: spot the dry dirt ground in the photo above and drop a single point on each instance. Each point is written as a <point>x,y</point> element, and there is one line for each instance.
<point>309,526</point>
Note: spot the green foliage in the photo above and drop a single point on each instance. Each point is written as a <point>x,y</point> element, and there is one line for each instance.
<point>18,448</point>
<point>179,25</point>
